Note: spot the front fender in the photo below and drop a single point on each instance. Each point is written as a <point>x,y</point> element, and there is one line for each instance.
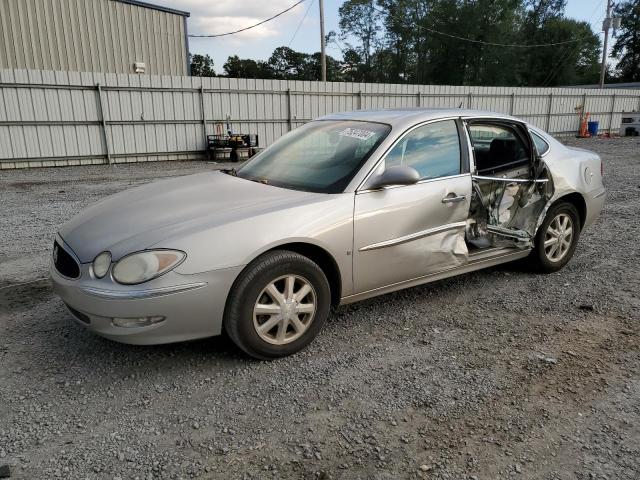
<point>327,224</point>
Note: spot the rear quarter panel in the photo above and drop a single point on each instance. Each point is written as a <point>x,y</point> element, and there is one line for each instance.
<point>576,170</point>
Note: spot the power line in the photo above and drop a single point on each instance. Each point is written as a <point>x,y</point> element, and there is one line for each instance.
<point>339,44</point>
<point>301,22</point>
<point>566,52</point>
<point>514,45</point>
<point>564,56</point>
<point>251,26</point>
<point>482,42</point>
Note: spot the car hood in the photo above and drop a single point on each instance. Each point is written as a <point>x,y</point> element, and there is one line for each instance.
<point>144,216</point>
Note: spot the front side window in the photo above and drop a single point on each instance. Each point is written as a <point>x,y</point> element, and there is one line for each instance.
<point>321,156</point>
<point>432,149</point>
<point>497,147</point>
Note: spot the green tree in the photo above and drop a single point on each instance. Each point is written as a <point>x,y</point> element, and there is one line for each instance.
<point>454,42</point>
<point>565,64</point>
<point>421,35</point>
<point>627,46</point>
<point>398,40</point>
<point>568,64</point>
<point>286,63</point>
<point>313,65</point>
<point>361,20</point>
<point>352,66</point>
<point>424,41</point>
<point>201,66</point>
<point>536,15</point>
<point>458,62</point>
<point>237,67</point>
<point>539,11</point>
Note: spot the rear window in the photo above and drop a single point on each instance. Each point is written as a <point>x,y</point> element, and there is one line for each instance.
<point>542,147</point>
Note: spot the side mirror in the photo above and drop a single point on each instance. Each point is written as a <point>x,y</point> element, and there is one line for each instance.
<point>395,175</point>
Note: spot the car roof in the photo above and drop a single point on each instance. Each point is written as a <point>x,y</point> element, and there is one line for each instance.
<point>409,116</point>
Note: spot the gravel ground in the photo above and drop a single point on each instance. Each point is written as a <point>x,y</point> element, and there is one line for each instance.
<point>495,374</point>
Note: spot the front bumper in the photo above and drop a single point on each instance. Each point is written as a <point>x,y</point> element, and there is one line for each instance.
<point>192,305</point>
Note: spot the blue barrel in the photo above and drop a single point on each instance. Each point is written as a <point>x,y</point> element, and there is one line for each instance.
<point>593,128</point>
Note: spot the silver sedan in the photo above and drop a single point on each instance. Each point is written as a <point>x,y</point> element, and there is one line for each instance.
<point>347,207</point>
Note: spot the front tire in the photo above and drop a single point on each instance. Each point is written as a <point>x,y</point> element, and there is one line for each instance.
<point>556,239</point>
<point>278,305</point>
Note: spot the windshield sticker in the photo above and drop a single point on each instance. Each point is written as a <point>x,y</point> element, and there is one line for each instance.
<point>358,133</point>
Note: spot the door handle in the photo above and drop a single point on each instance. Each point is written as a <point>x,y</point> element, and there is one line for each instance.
<point>453,198</point>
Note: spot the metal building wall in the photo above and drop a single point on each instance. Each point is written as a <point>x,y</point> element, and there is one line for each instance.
<point>90,36</point>
<point>65,118</point>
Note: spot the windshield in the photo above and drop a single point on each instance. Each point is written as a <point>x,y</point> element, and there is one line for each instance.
<point>321,156</point>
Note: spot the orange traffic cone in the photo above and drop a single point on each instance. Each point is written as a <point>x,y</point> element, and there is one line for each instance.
<point>584,129</point>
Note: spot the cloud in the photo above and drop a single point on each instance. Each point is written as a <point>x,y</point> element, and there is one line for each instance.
<point>205,25</point>
<point>220,16</point>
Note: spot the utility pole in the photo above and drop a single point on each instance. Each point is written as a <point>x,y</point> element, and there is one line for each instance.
<point>323,55</point>
<point>606,25</point>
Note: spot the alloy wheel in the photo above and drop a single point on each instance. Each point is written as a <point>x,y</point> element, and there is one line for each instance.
<point>558,237</point>
<point>284,310</point>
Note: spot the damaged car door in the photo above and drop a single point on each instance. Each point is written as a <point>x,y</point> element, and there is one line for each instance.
<point>404,232</point>
<point>511,185</point>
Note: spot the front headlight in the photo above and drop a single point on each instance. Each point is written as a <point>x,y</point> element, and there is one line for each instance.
<point>144,266</point>
<point>101,264</point>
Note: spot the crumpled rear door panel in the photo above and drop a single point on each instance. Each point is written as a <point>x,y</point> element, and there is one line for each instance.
<point>505,210</point>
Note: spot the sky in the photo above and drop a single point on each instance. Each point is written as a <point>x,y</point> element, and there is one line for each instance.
<point>219,16</point>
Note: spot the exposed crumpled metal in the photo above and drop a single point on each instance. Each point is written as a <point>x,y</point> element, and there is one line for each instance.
<point>506,214</point>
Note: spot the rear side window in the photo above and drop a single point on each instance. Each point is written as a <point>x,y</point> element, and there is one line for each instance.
<point>542,147</point>
<point>432,149</point>
<point>496,148</point>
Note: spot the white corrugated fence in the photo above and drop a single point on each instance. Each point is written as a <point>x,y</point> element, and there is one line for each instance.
<point>67,118</point>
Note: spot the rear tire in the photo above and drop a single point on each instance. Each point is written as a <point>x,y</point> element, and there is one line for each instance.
<point>278,305</point>
<point>556,239</point>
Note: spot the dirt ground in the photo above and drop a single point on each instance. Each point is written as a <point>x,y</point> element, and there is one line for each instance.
<point>495,374</point>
